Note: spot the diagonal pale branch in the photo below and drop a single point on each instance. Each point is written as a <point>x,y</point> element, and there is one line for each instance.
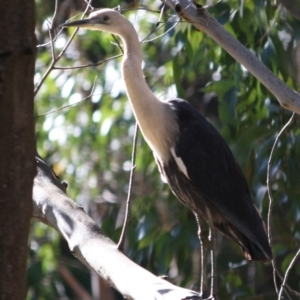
<point>202,20</point>
<point>89,244</point>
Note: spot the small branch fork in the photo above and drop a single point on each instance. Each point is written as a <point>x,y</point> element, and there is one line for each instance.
<point>56,59</point>
<point>283,285</point>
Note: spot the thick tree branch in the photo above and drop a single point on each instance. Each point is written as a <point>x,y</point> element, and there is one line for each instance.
<point>203,21</point>
<point>88,243</point>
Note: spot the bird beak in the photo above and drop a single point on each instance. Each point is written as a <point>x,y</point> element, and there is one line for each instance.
<point>85,23</point>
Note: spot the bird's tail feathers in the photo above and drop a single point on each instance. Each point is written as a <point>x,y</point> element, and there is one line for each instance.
<point>254,249</point>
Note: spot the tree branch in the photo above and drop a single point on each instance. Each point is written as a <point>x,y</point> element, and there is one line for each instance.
<point>89,244</point>
<point>56,59</point>
<point>202,20</point>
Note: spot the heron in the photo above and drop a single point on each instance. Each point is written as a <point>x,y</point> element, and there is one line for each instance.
<point>192,157</point>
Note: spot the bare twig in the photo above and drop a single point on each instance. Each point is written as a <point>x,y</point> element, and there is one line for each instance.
<point>55,60</point>
<point>51,43</point>
<point>88,65</point>
<point>127,213</point>
<point>48,43</point>
<point>282,287</point>
<point>146,40</point>
<point>272,25</point>
<point>88,2</point>
<point>70,105</point>
<point>269,181</point>
<point>117,42</point>
<point>56,36</point>
<point>156,28</point>
<point>51,28</point>
<point>54,14</point>
<point>139,8</point>
<point>287,287</point>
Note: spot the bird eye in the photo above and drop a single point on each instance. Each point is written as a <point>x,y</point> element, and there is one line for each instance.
<point>105,18</point>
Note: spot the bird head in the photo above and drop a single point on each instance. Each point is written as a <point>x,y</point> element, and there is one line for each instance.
<point>104,20</point>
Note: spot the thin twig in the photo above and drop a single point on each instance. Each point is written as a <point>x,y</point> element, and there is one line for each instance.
<point>54,14</point>
<point>161,12</point>
<point>50,31</point>
<point>48,43</point>
<point>139,8</point>
<point>89,4</point>
<point>287,273</point>
<point>145,40</point>
<point>287,287</point>
<point>156,28</point>
<point>269,181</point>
<point>88,65</point>
<point>70,105</point>
<point>117,42</point>
<point>272,25</point>
<point>56,36</point>
<point>127,213</point>
<point>51,43</point>
<point>55,60</point>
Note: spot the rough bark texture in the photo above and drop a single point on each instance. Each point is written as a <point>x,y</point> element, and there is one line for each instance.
<point>17,144</point>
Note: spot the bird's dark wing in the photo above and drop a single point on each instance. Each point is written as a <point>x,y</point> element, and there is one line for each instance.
<point>214,176</point>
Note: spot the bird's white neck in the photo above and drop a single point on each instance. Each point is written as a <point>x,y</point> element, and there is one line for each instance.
<point>153,116</point>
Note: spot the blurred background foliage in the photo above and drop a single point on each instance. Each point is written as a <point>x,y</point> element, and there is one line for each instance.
<point>89,143</point>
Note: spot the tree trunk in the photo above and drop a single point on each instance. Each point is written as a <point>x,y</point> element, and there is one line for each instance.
<point>17,142</point>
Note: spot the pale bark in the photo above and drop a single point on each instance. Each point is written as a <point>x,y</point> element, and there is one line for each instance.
<point>89,244</point>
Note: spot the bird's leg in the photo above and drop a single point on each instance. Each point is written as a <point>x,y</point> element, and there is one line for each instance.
<point>213,260</point>
<point>203,238</point>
